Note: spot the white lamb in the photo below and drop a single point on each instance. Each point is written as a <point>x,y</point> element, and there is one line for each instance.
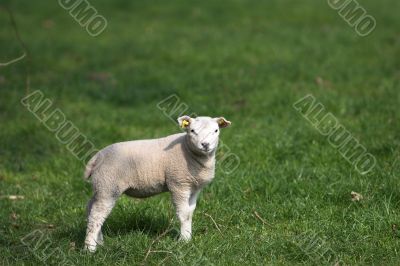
<point>182,164</point>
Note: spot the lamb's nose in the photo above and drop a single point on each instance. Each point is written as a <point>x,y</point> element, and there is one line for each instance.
<point>205,145</point>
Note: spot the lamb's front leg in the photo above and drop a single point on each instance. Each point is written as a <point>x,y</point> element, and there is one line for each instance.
<point>185,204</point>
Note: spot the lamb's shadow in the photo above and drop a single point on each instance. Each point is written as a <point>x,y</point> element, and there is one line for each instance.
<point>152,225</point>
<point>124,224</point>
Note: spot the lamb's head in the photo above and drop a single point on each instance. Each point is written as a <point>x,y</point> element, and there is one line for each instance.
<point>203,132</point>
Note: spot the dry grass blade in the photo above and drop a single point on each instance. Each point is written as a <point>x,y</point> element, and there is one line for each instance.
<point>261,219</point>
<point>13,197</point>
<point>216,225</point>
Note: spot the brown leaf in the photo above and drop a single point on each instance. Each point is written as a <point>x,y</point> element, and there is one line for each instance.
<point>319,81</point>
<point>14,216</point>
<point>48,24</point>
<point>240,104</point>
<point>395,230</point>
<point>356,196</point>
<point>322,83</point>
<point>101,77</point>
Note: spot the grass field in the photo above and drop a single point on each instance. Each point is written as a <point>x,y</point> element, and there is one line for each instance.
<point>249,61</point>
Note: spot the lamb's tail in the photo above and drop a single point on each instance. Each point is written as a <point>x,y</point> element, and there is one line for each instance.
<point>90,166</point>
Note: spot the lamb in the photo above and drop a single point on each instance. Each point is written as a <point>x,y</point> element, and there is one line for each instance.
<point>181,164</point>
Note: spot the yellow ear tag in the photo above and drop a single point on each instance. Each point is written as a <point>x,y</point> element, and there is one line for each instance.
<point>185,123</point>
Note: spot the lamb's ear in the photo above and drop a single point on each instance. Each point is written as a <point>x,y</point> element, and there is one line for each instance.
<point>184,121</point>
<point>222,122</point>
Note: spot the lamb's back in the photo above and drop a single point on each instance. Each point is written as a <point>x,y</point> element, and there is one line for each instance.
<point>139,164</point>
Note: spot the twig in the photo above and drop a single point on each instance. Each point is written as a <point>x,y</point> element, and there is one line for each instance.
<point>261,219</point>
<point>162,262</point>
<point>12,61</point>
<point>216,225</point>
<point>24,47</point>
<point>18,36</point>
<point>154,241</point>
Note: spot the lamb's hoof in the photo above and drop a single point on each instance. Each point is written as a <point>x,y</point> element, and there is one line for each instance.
<point>184,238</point>
<point>90,248</point>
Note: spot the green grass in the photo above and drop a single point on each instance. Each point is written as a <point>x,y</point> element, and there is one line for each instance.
<point>246,60</point>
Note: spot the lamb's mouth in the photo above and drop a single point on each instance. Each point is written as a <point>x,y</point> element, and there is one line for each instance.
<point>206,150</point>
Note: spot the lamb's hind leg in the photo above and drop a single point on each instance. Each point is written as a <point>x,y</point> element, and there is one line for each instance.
<point>100,239</point>
<point>98,210</point>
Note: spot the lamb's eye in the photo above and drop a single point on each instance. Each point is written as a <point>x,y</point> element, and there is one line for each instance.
<point>216,130</point>
<point>192,130</point>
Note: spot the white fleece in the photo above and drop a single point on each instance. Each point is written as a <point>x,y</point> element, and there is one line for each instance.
<point>181,164</point>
